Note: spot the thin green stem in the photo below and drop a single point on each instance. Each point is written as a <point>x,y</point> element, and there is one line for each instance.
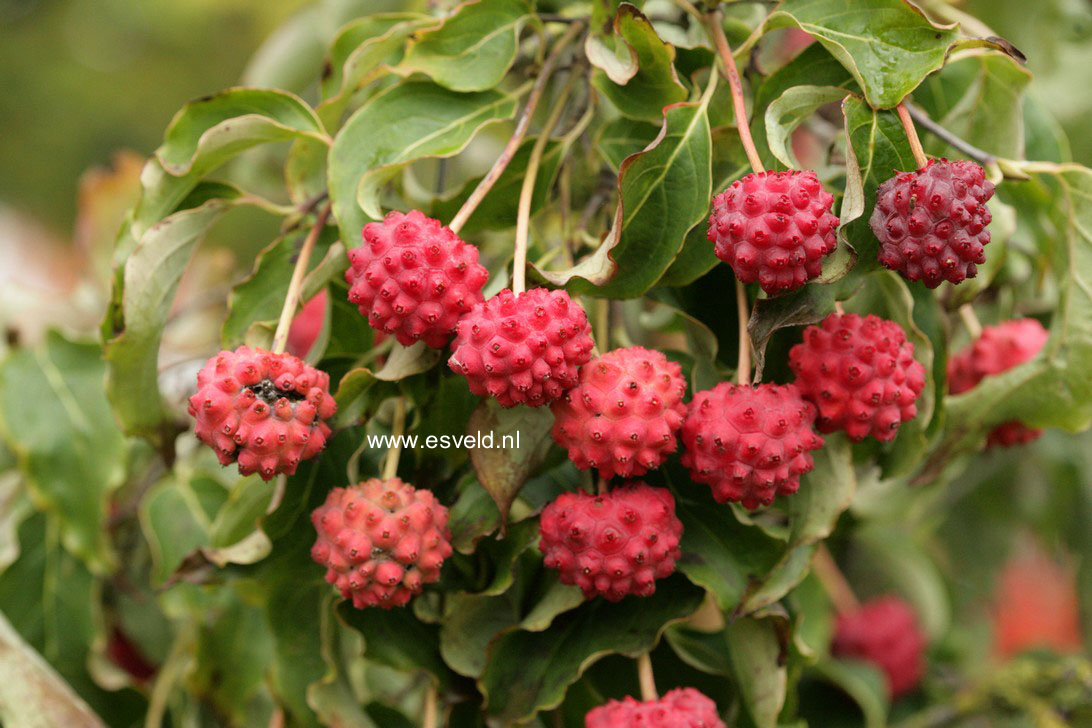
<point>743,363</point>
<point>398,427</point>
<point>714,24</point>
<point>291,299</point>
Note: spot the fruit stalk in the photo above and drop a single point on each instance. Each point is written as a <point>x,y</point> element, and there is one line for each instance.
<point>646,678</point>
<point>743,363</point>
<point>390,465</point>
<point>970,320</point>
<point>912,136</point>
<point>834,581</point>
<point>526,193</point>
<point>516,139</point>
<point>920,117</point>
<point>714,23</point>
<point>431,709</point>
<point>292,298</point>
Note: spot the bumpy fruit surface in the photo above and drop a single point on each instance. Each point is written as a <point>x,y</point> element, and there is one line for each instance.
<point>998,349</point>
<point>623,415</point>
<point>614,544</point>
<point>523,349</point>
<point>381,541</point>
<point>931,223</point>
<point>749,443</point>
<point>265,411</point>
<point>884,632</point>
<point>774,228</point>
<point>414,278</point>
<point>680,708</point>
<point>860,373</point>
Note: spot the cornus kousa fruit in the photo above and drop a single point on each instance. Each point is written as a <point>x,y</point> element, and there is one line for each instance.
<point>522,349</point>
<point>997,350</point>
<point>860,373</point>
<point>265,411</point>
<point>622,416</point>
<point>749,443</point>
<point>614,544</point>
<point>413,278</point>
<point>884,632</point>
<point>774,228</point>
<point>381,541</point>
<point>931,223</point>
<point>680,708</point>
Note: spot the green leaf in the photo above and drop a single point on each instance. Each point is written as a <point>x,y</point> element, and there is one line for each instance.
<point>530,671</point>
<point>420,120</point>
<point>398,639</point>
<point>655,85</point>
<point>210,131</point>
<point>56,419</point>
<point>879,150</point>
<point>824,493</point>
<point>756,648</point>
<point>664,191</point>
<point>803,307</point>
<point>862,681</point>
<point>151,277</point>
<point>622,137</point>
<point>503,469</point>
<point>473,49</point>
<point>888,45</point>
<point>791,109</point>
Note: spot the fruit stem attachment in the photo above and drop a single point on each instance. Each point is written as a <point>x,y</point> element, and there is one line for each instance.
<point>292,298</point>
<point>602,487</point>
<point>979,155</point>
<point>970,320</point>
<point>431,712</point>
<point>527,191</point>
<point>912,136</point>
<point>714,24</point>
<point>743,364</point>
<point>834,581</point>
<point>524,121</point>
<point>839,309</point>
<point>646,678</point>
<point>390,465</point>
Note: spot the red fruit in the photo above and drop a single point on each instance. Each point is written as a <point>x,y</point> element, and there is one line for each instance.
<point>884,632</point>
<point>622,416</point>
<point>263,410</point>
<point>307,325</point>
<point>414,278</point>
<point>523,349</point>
<point>1036,606</point>
<point>680,708</point>
<point>860,373</point>
<point>381,541</point>
<point>774,227</point>
<point>749,443</point>
<point>998,349</point>
<point>614,544</point>
<point>931,223</point>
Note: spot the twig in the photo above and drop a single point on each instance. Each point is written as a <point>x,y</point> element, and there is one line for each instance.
<point>291,299</point>
<point>646,678</point>
<point>398,427</point>
<point>431,713</point>
<point>714,24</point>
<point>918,115</point>
<point>970,320</point>
<point>527,191</point>
<point>522,124</point>
<point>912,136</point>
<point>834,581</point>
<point>743,364</point>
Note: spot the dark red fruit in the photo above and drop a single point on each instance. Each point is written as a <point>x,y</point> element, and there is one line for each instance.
<point>524,349</point>
<point>931,223</point>
<point>998,349</point>
<point>614,544</point>
<point>774,228</point>
<point>680,708</point>
<point>860,373</point>
<point>307,325</point>
<point>265,411</point>
<point>749,443</point>
<point>884,632</point>
<point>623,415</point>
<point>414,278</point>
<point>381,541</point>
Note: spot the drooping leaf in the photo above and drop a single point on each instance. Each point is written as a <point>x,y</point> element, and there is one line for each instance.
<point>888,45</point>
<point>473,49</point>
<point>788,111</point>
<point>422,119</point>
<point>756,648</point>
